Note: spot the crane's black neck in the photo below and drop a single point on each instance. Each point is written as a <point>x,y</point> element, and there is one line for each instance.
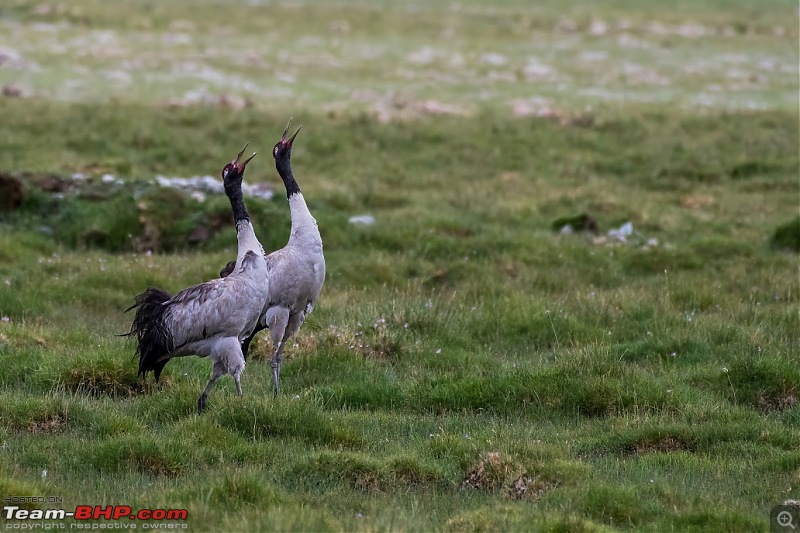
<point>233,189</point>
<point>285,170</point>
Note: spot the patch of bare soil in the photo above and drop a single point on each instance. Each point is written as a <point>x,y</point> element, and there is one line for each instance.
<point>489,473</point>
<point>157,466</point>
<point>664,444</point>
<point>786,399</point>
<point>529,488</point>
<point>49,424</point>
<point>103,383</point>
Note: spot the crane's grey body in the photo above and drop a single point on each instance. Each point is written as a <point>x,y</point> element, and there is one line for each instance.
<point>213,318</point>
<point>218,309</point>
<point>296,272</point>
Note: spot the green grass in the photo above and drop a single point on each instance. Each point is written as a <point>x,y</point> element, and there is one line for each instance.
<point>467,368</point>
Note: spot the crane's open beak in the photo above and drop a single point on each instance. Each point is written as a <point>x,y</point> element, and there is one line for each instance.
<point>239,156</point>
<point>290,139</point>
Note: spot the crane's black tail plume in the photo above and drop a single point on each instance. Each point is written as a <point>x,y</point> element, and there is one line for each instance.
<point>151,330</point>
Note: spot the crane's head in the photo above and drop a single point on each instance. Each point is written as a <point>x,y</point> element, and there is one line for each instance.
<point>235,169</point>
<point>283,149</point>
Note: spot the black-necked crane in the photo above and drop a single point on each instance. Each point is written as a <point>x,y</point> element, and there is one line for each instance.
<point>213,318</point>
<point>296,272</point>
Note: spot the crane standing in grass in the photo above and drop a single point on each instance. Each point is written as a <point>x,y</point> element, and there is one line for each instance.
<point>296,272</point>
<point>213,318</point>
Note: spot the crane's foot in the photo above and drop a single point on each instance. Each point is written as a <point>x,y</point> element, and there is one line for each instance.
<point>201,404</point>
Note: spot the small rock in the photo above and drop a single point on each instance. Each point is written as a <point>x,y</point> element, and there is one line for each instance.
<point>622,233</point>
<point>494,59</point>
<point>366,220</point>
<point>434,107</point>
<point>42,9</point>
<point>259,190</point>
<point>11,91</point>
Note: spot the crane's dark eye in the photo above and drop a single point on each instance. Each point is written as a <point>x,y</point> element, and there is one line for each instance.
<point>226,170</point>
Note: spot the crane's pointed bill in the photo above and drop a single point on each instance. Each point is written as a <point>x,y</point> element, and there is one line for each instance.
<point>291,139</point>
<point>239,155</point>
<point>283,137</point>
<point>244,163</point>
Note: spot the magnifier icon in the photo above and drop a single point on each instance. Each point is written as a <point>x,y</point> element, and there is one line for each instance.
<point>784,519</point>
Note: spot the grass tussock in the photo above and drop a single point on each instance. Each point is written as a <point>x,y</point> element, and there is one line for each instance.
<point>615,506</point>
<point>359,471</point>
<point>142,455</point>
<point>22,489</point>
<point>496,471</point>
<point>97,383</point>
<point>290,418</point>
<point>35,415</point>
<point>787,236</point>
<point>762,383</point>
<point>242,491</point>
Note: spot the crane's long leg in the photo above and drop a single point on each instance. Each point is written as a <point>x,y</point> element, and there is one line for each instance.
<point>234,359</point>
<point>217,372</point>
<point>237,377</point>
<point>228,359</point>
<point>277,320</point>
<point>294,323</point>
<point>277,352</point>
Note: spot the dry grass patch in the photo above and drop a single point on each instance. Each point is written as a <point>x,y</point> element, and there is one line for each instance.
<point>529,488</point>
<point>495,471</point>
<point>786,399</point>
<point>49,424</point>
<point>489,473</point>
<point>97,382</point>
<point>662,445</point>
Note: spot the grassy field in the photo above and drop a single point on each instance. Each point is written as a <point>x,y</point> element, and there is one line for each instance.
<point>469,367</point>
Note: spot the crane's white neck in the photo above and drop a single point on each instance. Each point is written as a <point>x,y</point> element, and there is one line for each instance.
<point>304,226</point>
<point>246,236</point>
